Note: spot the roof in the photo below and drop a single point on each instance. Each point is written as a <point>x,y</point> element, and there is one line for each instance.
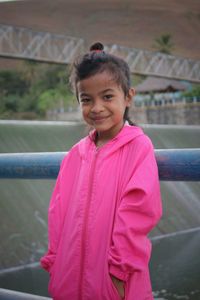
<point>155,84</point>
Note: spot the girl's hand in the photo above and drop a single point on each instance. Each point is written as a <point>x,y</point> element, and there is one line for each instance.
<point>119,285</point>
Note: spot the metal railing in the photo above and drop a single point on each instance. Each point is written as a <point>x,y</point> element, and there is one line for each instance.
<point>150,63</point>
<point>25,43</point>
<point>173,164</point>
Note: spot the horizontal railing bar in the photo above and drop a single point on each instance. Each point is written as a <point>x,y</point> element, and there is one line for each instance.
<point>42,165</point>
<point>14,295</point>
<point>173,165</point>
<point>178,164</point>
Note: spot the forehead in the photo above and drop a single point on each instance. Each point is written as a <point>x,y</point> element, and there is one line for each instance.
<point>97,83</point>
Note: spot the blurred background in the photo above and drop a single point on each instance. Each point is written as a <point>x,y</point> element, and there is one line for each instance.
<point>39,113</point>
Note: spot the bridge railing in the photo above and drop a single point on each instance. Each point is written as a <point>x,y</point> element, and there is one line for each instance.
<point>25,43</point>
<point>150,63</point>
<point>173,164</point>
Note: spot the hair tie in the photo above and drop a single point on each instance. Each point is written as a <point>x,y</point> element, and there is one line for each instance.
<point>96,51</point>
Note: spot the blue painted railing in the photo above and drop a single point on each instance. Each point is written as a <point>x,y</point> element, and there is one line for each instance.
<point>173,165</point>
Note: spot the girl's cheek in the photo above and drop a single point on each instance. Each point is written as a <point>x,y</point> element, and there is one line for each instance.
<point>83,109</point>
<point>84,114</point>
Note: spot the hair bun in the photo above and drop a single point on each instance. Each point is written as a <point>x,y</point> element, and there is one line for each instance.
<point>97,47</point>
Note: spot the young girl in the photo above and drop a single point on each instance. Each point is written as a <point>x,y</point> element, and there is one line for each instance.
<point>107,197</point>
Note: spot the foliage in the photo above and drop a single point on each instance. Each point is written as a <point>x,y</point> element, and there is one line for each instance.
<point>137,79</point>
<point>36,89</point>
<point>12,83</point>
<point>164,43</point>
<point>53,99</point>
<point>194,92</point>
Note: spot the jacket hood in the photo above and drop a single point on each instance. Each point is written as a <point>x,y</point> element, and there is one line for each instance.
<point>126,135</point>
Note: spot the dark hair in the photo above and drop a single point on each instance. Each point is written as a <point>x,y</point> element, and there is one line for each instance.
<point>96,61</point>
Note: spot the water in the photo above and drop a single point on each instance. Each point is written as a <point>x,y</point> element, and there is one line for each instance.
<point>175,264</point>
<point>174,269</point>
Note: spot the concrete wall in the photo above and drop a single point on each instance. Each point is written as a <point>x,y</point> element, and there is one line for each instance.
<point>179,113</point>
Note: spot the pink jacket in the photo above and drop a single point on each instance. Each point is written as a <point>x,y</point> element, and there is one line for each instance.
<point>104,204</point>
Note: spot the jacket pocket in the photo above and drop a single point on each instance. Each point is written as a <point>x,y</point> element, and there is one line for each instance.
<point>113,289</point>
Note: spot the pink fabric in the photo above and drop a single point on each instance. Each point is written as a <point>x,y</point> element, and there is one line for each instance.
<point>104,204</point>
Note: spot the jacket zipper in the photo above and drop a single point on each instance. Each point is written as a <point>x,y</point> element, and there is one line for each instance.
<point>85,223</point>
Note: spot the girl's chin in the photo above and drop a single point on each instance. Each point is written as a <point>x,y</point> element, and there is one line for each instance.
<point>101,127</point>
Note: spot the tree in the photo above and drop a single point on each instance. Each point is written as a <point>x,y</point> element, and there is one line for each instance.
<point>36,89</point>
<point>194,92</point>
<point>164,43</point>
<point>12,82</point>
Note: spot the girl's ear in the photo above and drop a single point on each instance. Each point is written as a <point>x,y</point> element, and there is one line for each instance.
<point>129,97</point>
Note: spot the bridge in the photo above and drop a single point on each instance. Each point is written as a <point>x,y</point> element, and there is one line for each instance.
<point>24,43</point>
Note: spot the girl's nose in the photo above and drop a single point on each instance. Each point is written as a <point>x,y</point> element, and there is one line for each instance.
<point>97,107</point>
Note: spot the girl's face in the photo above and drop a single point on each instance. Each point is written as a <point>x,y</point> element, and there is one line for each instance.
<point>103,104</point>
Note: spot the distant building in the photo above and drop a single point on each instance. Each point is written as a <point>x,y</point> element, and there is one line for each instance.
<point>160,85</point>
<point>159,91</point>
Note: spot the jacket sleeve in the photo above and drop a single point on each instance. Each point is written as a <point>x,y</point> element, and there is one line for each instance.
<point>55,221</point>
<point>138,212</point>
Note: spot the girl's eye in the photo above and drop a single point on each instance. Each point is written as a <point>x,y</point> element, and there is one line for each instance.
<point>108,97</point>
<point>85,100</point>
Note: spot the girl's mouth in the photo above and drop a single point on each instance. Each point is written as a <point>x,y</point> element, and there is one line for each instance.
<point>99,119</point>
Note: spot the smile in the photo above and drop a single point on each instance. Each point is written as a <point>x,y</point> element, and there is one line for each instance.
<point>99,119</point>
